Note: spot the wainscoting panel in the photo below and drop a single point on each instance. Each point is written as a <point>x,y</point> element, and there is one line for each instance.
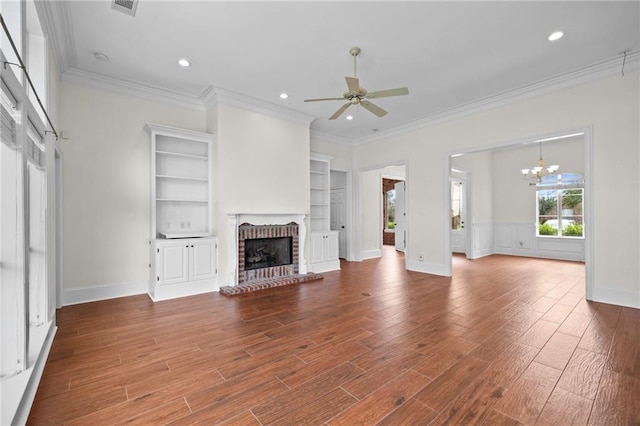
<point>482,240</point>
<point>520,239</point>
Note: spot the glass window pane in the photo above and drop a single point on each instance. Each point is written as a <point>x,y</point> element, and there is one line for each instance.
<point>572,212</point>
<point>456,204</point>
<point>390,222</point>
<point>548,222</point>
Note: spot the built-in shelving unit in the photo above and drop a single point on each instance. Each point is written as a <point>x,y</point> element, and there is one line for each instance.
<point>319,196</point>
<point>324,243</point>
<point>181,208</point>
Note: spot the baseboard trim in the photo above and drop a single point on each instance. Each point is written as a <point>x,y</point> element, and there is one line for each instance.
<point>185,289</point>
<point>329,265</point>
<point>612,296</point>
<point>371,254</point>
<point>104,292</point>
<point>427,268</point>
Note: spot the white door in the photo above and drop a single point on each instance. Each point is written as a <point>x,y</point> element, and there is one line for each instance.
<point>201,259</point>
<point>317,247</point>
<point>338,219</point>
<point>458,216</point>
<point>401,217</point>
<point>331,247</point>
<point>172,262</point>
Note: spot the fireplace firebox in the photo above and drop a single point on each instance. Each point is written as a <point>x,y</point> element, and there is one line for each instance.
<point>267,252</point>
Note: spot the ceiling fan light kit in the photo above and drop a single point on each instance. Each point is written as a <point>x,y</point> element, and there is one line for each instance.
<point>357,95</point>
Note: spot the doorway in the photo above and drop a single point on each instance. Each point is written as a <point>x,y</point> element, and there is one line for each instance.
<point>458,216</point>
<point>340,208</point>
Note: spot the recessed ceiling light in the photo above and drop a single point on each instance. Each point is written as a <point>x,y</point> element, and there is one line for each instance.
<point>557,35</point>
<point>184,63</point>
<point>101,57</point>
<point>283,95</point>
<point>349,117</point>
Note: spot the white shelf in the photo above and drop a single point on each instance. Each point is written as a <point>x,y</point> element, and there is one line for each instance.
<point>317,188</point>
<point>318,172</point>
<point>178,154</point>
<point>182,178</point>
<point>182,200</point>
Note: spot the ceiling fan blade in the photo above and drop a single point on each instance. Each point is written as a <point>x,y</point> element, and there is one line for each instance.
<point>400,91</point>
<point>373,108</point>
<point>353,84</point>
<point>324,99</point>
<point>342,109</point>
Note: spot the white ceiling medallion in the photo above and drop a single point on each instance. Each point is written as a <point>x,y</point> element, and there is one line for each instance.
<point>127,7</point>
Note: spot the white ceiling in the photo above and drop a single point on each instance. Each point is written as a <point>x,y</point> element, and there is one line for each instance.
<point>448,54</point>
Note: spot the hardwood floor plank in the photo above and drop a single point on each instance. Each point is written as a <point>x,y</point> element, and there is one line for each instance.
<point>473,404</point>
<point>597,338</point>
<point>539,333</point>
<point>624,357</point>
<point>617,401</point>
<point>575,324</point>
<point>309,398</point>
<point>509,365</point>
<point>557,351</point>
<point>582,374</point>
<point>496,418</point>
<point>525,399</point>
<point>383,401</point>
<point>565,408</point>
<point>441,391</point>
<point>411,412</point>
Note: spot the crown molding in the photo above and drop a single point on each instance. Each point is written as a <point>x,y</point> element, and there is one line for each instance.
<point>215,95</point>
<point>330,137</point>
<point>583,75</point>
<point>55,19</point>
<point>139,90</point>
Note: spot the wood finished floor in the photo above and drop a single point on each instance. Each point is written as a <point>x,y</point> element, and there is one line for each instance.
<point>506,341</point>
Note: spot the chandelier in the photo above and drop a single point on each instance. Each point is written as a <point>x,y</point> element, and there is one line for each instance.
<point>538,172</point>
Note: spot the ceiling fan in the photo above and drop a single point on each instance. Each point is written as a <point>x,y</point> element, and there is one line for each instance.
<point>356,95</point>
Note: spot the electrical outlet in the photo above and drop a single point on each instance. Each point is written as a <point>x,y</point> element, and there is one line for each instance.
<point>421,257</point>
<point>189,224</point>
<point>181,225</point>
<point>168,225</point>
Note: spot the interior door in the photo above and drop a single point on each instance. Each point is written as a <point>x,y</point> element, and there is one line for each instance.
<point>338,219</point>
<point>458,216</point>
<point>401,217</point>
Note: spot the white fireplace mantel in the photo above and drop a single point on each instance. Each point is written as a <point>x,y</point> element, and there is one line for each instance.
<point>261,219</point>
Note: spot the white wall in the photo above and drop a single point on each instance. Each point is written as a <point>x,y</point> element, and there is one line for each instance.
<point>262,167</point>
<point>106,187</point>
<point>609,106</point>
<point>371,213</point>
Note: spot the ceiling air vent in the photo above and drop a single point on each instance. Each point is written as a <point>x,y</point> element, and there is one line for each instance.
<point>125,6</point>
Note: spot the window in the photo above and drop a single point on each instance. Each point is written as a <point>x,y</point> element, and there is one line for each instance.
<point>390,203</point>
<point>456,205</point>
<point>560,206</point>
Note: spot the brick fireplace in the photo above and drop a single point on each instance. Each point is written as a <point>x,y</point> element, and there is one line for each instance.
<point>256,230</point>
<point>267,251</point>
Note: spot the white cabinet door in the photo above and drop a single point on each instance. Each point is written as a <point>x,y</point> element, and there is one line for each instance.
<point>202,259</point>
<point>172,262</point>
<point>331,246</point>
<point>317,247</point>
